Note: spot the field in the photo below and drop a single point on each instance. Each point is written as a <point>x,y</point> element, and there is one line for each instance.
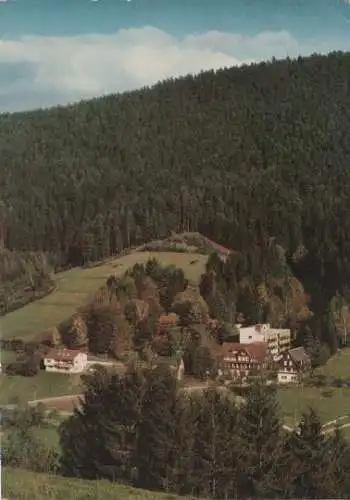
<point>338,366</point>
<point>42,385</point>
<point>295,400</point>
<point>76,286</point>
<point>329,402</point>
<point>19,484</point>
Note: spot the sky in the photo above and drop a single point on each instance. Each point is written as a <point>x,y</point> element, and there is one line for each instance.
<point>61,51</point>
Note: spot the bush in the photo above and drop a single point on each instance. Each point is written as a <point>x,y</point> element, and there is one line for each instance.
<point>32,347</point>
<point>15,368</point>
<point>16,345</point>
<point>318,380</point>
<point>239,390</point>
<point>27,368</point>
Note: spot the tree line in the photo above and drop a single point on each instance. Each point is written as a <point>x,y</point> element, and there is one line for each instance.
<point>249,287</point>
<point>140,429</point>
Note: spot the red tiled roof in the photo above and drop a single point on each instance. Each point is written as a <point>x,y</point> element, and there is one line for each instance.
<point>228,347</point>
<point>62,354</point>
<point>257,350</point>
<point>170,319</point>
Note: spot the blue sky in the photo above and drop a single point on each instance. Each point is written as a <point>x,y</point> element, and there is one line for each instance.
<point>59,51</point>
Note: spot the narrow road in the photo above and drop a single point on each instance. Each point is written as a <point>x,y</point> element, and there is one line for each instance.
<point>328,427</point>
<point>55,398</point>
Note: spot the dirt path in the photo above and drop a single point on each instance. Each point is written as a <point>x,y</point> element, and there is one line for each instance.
<point>64,404</point>
<point>329,426</point>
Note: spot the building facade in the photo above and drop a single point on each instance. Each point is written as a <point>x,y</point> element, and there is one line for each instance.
<point>278,339</point>
<point>292,366</point>
<point>65,361</point>
<point>239,361</point>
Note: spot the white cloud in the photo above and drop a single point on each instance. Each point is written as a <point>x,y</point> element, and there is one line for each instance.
<point>41,71</point>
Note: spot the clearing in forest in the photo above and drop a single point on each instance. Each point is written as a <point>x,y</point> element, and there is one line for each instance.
<point>77,286</point>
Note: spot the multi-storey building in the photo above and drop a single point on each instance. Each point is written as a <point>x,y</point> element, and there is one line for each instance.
<point>278,340</point>
<point>239,361</point>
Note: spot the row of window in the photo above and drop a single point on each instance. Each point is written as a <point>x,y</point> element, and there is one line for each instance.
<point>292,378</point>
<point>241,366</point>
<point>59,363</point>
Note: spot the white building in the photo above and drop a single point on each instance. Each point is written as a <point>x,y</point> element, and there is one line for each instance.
<point>278,339</point>
<point>293,364</point>
<point>65,361</point>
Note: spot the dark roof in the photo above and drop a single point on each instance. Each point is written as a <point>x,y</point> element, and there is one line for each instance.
<point>257,350</point>
<point>62,354</point>
<point>298,354</point>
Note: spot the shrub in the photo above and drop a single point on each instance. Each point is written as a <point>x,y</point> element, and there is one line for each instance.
<point>26,368</point>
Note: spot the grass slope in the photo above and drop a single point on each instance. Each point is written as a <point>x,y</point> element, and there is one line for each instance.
<point>20,484</point>
<point>75,287</point>
<point>42,385</point>
<point>295,400</point>
<point>338,365</point>
<point>330,403</point>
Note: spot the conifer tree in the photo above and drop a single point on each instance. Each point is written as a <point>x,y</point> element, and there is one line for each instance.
<point>260,441</point>
<point>309,468</point>
<point>215,449</point>
<point>185,418</point>
<point>77,335</point>
<point>157,439</point>
<point>339,450</point>
<point>56,338</point>
<point>98,440</point>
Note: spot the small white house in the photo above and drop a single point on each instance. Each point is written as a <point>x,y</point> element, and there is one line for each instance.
<point>65,361</point>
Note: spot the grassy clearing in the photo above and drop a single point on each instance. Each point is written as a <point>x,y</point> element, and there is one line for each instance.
<point>295,400</point>
<point>24,485</point>
<point>42,385</point>
<point>49,436</point>
<point>338,366</point>
<point>77,286</point>
<point>7,357</point>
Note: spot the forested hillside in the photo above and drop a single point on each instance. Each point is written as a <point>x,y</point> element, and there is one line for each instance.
<point>240,155</point>
<point>24,277</point>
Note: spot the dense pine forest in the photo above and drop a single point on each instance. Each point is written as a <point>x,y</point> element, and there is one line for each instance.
<point>242,155</point>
